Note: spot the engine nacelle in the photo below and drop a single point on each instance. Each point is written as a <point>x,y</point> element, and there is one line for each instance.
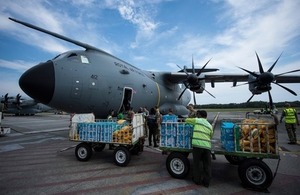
<point>199,88</point>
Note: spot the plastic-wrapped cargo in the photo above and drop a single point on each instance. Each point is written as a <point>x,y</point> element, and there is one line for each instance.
<point>176,135</point>
<point>107,131</point>
<point>227,136</point>
<point>83,118</point>
<point>258,136</point>
<point>96,132</point>
<point>169,118</point>
<point>79,118</point>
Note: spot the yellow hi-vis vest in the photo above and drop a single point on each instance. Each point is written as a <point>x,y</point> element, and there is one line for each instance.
<point>202,132</point>
<point>289,116</point>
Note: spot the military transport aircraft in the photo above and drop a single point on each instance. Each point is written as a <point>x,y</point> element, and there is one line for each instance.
<point>92,80</point>
<point>22,106</point>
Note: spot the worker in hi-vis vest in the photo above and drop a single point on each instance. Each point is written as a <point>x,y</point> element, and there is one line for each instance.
<point>290,119</point>
<point>201,143</point>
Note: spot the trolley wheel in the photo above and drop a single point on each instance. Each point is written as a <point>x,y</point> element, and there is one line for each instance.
<point>83,152</point>
<point>235,160</point>
<point>121,156</point>
<point>99,147</point>
<point>255,174</point>
<point>178,165</point>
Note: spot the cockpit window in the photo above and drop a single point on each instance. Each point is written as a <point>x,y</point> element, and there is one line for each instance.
<point>60,56</point>
<point>84,59</point>
<point>72,54</point>
<point>56,57</point>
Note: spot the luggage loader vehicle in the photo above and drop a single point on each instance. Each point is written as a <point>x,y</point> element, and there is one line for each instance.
<point>244,142</point>
<point>126,138</point>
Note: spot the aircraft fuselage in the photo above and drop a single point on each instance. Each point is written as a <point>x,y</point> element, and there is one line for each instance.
<point>92,81</point>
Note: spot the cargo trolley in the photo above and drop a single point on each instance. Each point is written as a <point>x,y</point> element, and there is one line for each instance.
<point>124,137</point>
<point>244,142</point>
<point>3,130</point>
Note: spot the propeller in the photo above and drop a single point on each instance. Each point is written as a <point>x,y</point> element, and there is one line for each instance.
<point>192,80</point>
<point>263,80</point>
<point>5,101</point>
<point>18,101</point>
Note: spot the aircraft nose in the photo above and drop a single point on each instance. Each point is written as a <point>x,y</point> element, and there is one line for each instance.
<point>39,81</point>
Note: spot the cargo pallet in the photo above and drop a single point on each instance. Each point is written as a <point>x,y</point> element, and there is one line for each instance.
<point>253,172</point>
<point>123,137</point>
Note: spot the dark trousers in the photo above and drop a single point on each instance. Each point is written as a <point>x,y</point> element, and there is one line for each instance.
<point>201,165</point>
<point>291,130</point>
<point>152,134</point>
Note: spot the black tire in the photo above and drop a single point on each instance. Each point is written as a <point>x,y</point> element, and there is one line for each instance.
<point>235,160</point>
<point>178,165</point>
<point>186,154</point>
<point>137,148</point>
<point>122,156</point>
<point>83,152</point>
<point>255,174</point>
<point>99,147</point>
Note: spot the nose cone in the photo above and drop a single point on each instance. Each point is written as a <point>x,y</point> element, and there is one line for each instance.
<point>39,81</point>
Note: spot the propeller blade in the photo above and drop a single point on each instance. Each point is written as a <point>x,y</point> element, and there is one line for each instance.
<point>271,68</point>
<point>193,67</point>
<point>252,73</point>
<point>286,73</point>
<point>181,93</point>
<point>261,70</point>
<point>289,90</point>
<point>182,69</point>
<point>203,68</point>
<point>270,99</point>
<point>208,92</point>
<point>250,98</point>
<point>5,101</point>
<point>194,96</point>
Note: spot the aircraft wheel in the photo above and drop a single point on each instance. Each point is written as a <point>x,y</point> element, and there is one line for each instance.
<point>255,174</point>
<point>83,152</point>
<point>121,156</point>
<point>99,147</point>
<point>235,160</point>
<point>178,165</point>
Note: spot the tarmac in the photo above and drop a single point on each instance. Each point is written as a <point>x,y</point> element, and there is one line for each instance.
<point>38,158</point>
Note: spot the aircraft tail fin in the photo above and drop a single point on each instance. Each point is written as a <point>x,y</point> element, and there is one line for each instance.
<point>84,45</point>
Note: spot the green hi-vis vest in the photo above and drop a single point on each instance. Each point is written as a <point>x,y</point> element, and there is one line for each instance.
<point>290,117</point>
<point>202,132</point>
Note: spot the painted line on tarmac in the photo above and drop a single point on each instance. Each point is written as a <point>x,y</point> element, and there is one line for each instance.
<point>46,130</point>
<point>20,133</point>
<point>67,148</point>
<point>215,120</point>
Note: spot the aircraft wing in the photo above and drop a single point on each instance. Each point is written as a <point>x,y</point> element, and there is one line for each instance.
<point>244,78</point>
<point>179,77</point>
<point>288,79</point>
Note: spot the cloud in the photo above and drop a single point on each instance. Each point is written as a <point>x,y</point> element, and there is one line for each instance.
<point>138,13</point>
<point>268,28</point>
<point>159,41</point>
<point>18,65</point>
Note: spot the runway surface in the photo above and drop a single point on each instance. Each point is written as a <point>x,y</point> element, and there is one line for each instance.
<point>38,158</point>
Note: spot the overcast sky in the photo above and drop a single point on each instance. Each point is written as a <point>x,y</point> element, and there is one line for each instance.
<point>158,34</point>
